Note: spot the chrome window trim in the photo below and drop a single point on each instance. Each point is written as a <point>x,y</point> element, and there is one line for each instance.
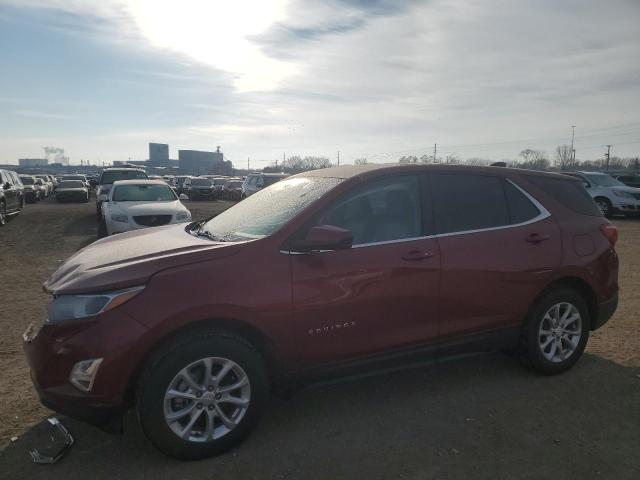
<point>543,214</point>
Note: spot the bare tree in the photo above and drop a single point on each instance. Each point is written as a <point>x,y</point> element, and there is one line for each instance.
<point>534,160</point>
<point>452,158</point>
<point>564,157</point>
<point>408,159</point>
<point>361,161</point>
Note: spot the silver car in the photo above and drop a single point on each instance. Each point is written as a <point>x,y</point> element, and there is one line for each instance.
<point>257,181</point>
<point>611,195</point>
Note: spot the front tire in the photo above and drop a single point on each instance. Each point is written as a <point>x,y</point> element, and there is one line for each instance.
<point>556,331</point>
<point>201,394</point>
<point>3,215</point>
<point>605,206</point>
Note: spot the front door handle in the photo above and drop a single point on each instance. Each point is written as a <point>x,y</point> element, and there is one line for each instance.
<point>416,255</point>
<point>537,238</point>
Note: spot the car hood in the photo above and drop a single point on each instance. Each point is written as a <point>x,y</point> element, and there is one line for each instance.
<point>130,259</point>
<point>148,208</point>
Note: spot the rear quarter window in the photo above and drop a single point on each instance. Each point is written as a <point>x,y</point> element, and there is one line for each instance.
<point>569,193</point>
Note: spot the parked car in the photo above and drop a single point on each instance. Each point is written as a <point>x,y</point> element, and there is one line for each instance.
<point>11,195</point>
<point>629,179</point>
<point>107,178</point>
<point>72,191</point>
<point>31,193</point>
<point>353,267</point>
<point>41,188</point>
<point>612,196</point>
<point>179,183</point>
<point>232,189</point>
<point>137,204</point>
<point>75,176</point>
<point>47,184</point>
<point>257,181</point>
<point>197,188</point>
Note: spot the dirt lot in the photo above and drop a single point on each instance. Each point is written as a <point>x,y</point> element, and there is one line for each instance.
<point>481,417</point>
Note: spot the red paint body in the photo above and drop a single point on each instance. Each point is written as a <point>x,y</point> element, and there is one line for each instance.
<point>313,309</point>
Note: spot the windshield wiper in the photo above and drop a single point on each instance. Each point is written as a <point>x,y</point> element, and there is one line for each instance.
<point>197,230</point>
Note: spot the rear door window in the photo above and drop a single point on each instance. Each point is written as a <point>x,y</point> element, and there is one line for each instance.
<point>521,209</point>
<point>465,202</point>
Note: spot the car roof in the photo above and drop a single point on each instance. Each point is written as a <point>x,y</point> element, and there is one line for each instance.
<point>349,171</point>
<point>140,181</point>
<point>123,169</point>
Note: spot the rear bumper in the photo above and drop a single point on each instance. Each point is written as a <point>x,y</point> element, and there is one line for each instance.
<point>605,312</point>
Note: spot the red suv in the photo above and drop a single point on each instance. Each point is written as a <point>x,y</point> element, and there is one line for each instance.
<point>353,267</point>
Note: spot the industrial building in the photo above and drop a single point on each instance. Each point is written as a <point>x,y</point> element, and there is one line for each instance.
<point>33,162</point>
<point>196,162</point>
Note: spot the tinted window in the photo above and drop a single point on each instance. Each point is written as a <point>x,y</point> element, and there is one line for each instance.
<point>384,210</point>
<point>521,209</point>
<point>569,193</point>
<point>27,180</point>
<point>468,202</point>
<point>603,180</point>
<point>110,176</point>
<point>201,182</point>
<point>71,184</point>
<point>270,180</point>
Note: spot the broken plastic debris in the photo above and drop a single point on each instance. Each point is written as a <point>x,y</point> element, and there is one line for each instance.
<point>58,430</point>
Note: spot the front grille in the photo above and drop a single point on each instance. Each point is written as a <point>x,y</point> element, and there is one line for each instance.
<point>152,220</point>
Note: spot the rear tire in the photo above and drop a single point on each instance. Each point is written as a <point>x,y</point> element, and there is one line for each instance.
<point>164,394</point>
<point>556,331</point>
<point>3,215</point>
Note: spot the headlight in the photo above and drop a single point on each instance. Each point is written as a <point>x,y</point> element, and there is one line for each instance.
<point>67,307</point>
<point>622,193</point>
<point>119,218</point>
<point>182,216</point>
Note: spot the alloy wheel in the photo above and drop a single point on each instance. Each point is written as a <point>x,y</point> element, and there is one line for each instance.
<point>207,399</point>
<point>604,207</point>
<point>560,332</point>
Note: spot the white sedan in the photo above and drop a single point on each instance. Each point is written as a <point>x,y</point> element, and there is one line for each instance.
<point>135,204</point>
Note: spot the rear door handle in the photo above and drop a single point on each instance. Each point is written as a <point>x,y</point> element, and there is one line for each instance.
<point>416,255</point>
<point>537,238</point>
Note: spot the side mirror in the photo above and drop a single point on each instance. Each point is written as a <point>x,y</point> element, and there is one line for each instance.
<point>324,237</point>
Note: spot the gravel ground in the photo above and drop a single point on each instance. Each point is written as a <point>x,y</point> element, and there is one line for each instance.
<point>479,417</point>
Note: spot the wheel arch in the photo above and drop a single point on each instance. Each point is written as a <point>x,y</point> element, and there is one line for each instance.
<point>251,334</point>
<point>579,285</point>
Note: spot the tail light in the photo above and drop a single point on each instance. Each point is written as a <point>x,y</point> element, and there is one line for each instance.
<point>610,232</point>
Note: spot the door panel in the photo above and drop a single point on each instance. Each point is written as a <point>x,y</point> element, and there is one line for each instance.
<point>490,278</point>
<point>362,300</point>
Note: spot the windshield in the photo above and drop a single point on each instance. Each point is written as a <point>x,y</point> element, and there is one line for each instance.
<point>71,184</point>
<point>234,184</point>
<point>269,209</point>
<point>26,180</point>
<point>143,193</point>
<point>219,181</point>
<point>74,177</point>
<point>110,176</point>
<point>604,180</point>
<point>201,182</point>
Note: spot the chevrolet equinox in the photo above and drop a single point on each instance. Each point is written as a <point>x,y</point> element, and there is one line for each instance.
<point>329,272</point>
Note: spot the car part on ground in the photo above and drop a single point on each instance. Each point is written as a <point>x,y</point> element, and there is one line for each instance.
<point>59,434</point>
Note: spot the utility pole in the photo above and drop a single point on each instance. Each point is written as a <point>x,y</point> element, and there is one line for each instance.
<point>608,155</point>
<point>338,157</point>
<point>435,151</point>
<point>248,167</point>
<point>573,150</point>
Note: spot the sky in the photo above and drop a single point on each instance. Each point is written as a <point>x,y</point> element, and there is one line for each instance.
<point>367,78</point>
